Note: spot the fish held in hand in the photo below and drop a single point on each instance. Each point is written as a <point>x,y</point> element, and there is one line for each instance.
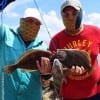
<point>75,57</point>
<point>65,59</point>
<point>28,60</point>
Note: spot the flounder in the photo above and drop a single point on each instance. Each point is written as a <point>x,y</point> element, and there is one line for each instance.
<point>70,57</point>
<point>28,60</point>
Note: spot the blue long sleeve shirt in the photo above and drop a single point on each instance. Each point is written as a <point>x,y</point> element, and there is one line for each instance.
<point>19,85</point>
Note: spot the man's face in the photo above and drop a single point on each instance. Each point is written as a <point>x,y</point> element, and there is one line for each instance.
<point>29,28</point>
<point>71,20</point>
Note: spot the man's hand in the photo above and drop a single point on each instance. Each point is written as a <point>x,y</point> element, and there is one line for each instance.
<point>75,70</point>
<point>78,70</point>
<point>44,66</point>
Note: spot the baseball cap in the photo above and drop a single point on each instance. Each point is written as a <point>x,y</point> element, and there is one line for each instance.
<point>73,3</point>
<point>33,13</point>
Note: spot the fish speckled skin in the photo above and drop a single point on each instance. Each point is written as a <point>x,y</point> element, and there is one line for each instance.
<point>70,57</point>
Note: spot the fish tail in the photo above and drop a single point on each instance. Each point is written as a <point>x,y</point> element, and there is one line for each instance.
<point>10,68</point>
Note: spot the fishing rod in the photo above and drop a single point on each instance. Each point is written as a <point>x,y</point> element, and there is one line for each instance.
<point>54,44</point>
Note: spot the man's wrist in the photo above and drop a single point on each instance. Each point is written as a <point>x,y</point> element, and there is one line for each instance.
<point>46,76</point>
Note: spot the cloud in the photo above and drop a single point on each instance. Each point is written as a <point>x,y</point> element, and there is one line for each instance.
<point>49,18</point>
<point>52,23</point>
<point>92,18</point>
<point>11,9</point>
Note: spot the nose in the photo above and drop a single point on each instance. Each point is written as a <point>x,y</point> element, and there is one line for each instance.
<point>69,15</point>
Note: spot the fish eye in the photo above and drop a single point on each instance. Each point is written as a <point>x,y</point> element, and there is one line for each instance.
<point>61,55</point>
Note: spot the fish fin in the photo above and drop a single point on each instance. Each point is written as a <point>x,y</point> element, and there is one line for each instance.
<point>10,68</point>
<point>87,55</point>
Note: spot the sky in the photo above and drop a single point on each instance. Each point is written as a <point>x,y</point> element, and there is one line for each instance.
<point>49,13</point>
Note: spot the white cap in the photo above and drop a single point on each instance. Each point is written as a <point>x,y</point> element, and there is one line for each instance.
<point>32,12</point>
<point>73,3</point>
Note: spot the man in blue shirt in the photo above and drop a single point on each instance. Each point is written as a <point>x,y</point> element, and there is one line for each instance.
<point>20,85</point>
